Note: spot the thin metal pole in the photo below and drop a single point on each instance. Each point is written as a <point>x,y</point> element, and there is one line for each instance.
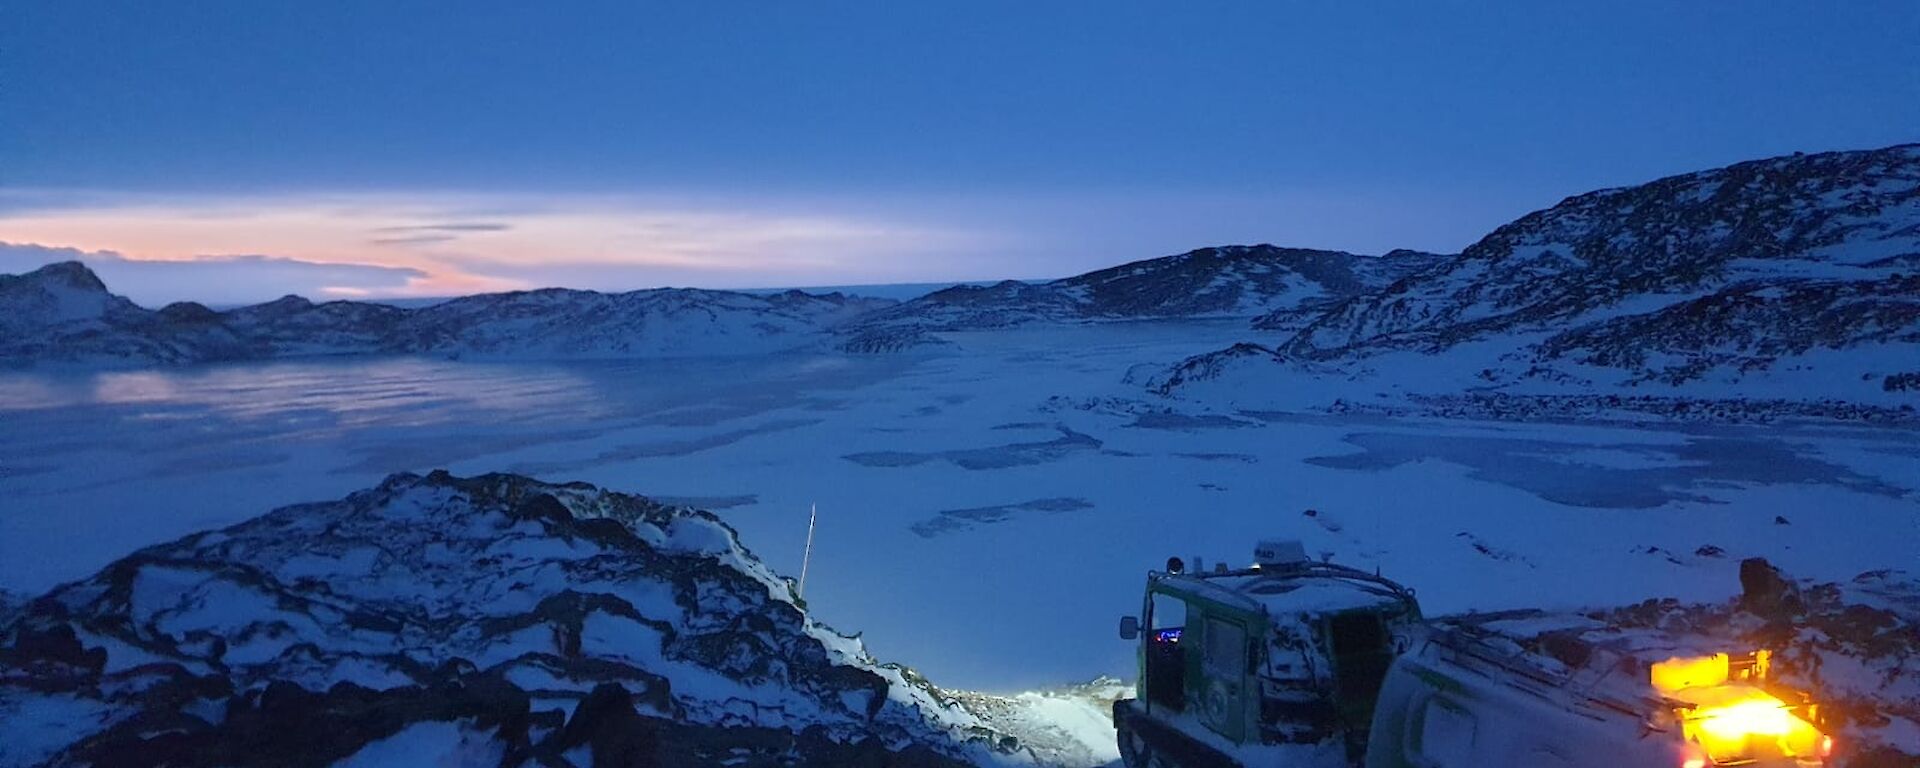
<point>813,513</point>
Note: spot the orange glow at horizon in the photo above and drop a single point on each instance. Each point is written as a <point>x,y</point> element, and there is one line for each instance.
<point>468,244</point>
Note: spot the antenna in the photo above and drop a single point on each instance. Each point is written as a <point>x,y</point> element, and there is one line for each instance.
<point>813,513</point>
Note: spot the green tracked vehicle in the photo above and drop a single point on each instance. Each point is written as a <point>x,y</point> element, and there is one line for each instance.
<point>1301,664</point>
<point>1285,657</point>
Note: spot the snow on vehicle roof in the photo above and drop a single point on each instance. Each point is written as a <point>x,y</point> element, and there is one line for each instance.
<point>1577,658</point>
<point>1286,591</point>
<point>1645,645</point>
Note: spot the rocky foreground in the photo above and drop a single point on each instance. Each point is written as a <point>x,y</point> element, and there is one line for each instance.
<point>502,621</point>
<point>496,619</point>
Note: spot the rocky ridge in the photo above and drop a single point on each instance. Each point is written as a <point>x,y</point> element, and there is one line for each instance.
<point>1235,281</point>
<point>63,313</point>
<point>1813,228</point>
<point>526,622</point>
<point>1792,274</point>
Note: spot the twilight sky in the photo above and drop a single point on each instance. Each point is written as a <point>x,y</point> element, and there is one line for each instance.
<point>237,151</point>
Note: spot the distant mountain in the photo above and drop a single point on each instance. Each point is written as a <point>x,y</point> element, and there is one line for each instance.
<point>56,294</point>
<point>62,312</point>
<point>668,321</point>
<point>292,325</point>
<point>1803,271</point>
<point>515,621</point>
<point>1763,267</point>
<point>894,291</point>
<point>1834,226</point>
<point>1223,282</point>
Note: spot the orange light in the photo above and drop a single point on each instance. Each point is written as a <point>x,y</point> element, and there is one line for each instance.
<point>1681,672</point>
<point>1735,721</point>
<point>1760,716</point>
<point>1728,716</point>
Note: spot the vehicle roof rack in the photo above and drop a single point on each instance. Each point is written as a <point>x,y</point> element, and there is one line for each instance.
<point>1290,571</point>
<point>1475,647</point>
<point>1333,569</point>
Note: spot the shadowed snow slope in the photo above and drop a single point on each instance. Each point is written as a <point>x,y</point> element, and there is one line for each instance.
<point>493,616</point>
<point>1228,281</point>
<point>62,312</point>
<point>1797,275</point>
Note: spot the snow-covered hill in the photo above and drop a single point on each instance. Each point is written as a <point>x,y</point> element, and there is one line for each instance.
<point>498,617</point>
<point>668,321</point>
<point>292,325</point>
<point>62,312</point>
<point>1794,279</point>
<point>66,292</point>
<point>1794,276</point>
<point>1228,281</point>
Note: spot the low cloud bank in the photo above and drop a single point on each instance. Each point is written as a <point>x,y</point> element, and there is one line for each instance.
<point>216,280</point>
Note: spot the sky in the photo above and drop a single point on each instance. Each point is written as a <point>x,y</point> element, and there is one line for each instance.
<point>239,151</point>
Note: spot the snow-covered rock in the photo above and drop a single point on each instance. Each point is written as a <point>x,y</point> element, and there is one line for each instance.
<point>1790,277</point>
<point>11,605</point>
<point>292,325</point>
<point>668,321</point>
<point>494,616</point>
<point>1228,281</point>
<point>55,294</point>
<point>62,312</point>
<point>1070,726</point>
<point>1734,266</point>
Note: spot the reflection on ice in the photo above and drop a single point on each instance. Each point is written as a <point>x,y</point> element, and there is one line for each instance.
<point>124,387</point>
<point>418,392</point>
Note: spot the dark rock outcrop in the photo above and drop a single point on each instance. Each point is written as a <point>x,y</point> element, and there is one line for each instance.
<point>1788,222</point>
<point>1235,281</point>
<point>1799,269</point>
<point>519,619</point>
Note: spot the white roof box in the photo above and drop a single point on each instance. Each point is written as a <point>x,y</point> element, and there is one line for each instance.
<point>1279,552</point>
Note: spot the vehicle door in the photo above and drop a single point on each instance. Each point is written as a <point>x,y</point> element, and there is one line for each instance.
<point>1163,652</point>
<point>1225,671</point>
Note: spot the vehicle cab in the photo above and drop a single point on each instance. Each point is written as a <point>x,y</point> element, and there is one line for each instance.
<point>1284,656</point>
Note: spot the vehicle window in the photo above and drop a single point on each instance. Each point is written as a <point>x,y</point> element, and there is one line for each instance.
<point>1166,658</point>
<point>1226,648</point>
<point>1169,612</point>
<point>1446,735</point>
